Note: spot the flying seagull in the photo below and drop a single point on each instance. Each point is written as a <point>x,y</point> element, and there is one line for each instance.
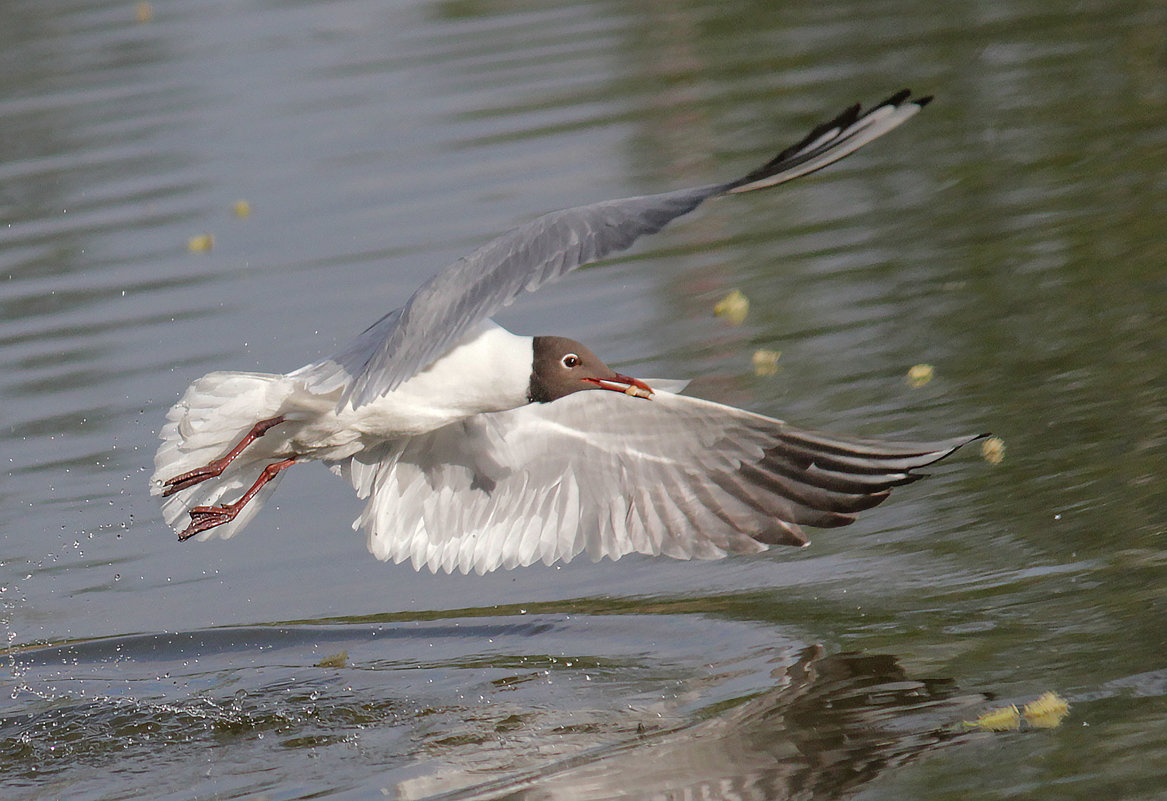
<point>475,448</point>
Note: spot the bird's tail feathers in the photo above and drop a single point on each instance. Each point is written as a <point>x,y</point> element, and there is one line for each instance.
<point>214,414</point>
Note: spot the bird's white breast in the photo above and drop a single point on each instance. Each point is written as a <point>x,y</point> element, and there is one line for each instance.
<point>489,371</point>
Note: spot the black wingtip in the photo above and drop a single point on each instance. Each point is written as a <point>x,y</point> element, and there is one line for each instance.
<point>825,138</point>
<point>905,96</point>
<point>897,99</point>
<point>960,442</point>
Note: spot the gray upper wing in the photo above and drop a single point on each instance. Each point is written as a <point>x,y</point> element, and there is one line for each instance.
<point>439,314</point>
<point>458,298</point>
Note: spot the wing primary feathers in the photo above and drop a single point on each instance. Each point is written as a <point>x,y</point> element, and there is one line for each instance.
<point>805,471</point>
<point>811,496</point>
<point>862,446</point>
<point>887,465</point>
<point>831,141</point>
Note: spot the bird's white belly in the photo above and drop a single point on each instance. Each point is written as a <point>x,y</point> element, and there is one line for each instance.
<point>489,372</point>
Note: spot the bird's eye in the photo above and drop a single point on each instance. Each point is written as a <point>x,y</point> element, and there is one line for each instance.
<point>570,360</point>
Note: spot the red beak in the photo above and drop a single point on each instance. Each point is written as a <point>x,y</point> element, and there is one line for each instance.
<point>622,383</point>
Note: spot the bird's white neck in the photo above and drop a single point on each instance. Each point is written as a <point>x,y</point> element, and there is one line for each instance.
<point>489,371</point>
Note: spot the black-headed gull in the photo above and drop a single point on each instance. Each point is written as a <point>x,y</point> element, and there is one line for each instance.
<point>476,448</point>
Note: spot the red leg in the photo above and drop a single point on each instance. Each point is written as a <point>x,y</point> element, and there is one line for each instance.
<point>207,517</point>
<point>215,468</point>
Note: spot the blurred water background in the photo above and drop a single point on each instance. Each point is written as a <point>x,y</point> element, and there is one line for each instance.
<point>1013,236</point>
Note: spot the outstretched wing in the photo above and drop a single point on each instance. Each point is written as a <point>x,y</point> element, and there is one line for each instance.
<point>441,312</point>
<point>606,474</point>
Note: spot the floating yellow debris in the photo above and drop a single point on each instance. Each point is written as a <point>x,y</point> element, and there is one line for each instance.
<point>733,308</point>
<point>241,208</point>
<point>1046,712</point>
<point>1006,718</point>
<point>334,661</point>
<point>920,375</point>
<point>993,450</point>
<point>201,243</point>
<point>766,362</point>
<point>144,12</point>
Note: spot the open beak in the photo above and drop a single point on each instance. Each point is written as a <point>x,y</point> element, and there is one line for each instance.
<point>622,383</point>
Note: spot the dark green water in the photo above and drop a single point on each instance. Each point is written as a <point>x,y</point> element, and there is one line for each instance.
<point>1012,236</point>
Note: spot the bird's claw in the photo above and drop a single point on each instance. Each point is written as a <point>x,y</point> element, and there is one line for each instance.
<point>203,518</point>
<point>187,480</point>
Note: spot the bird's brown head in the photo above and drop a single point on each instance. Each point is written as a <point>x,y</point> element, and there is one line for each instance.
<point>562,366</point>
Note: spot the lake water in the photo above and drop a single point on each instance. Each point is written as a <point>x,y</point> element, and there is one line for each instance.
<point>1012,236</point>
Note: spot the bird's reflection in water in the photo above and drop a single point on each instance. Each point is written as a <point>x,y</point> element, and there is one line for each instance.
<point>830,726</point>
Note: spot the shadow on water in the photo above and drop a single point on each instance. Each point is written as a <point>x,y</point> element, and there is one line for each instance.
<point>831,725</point>
<point>515,707</point>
